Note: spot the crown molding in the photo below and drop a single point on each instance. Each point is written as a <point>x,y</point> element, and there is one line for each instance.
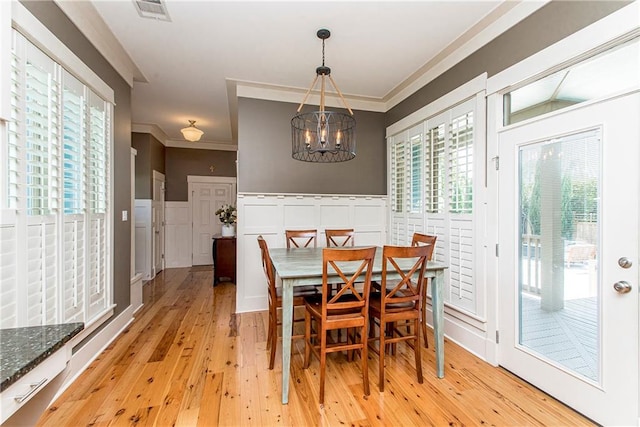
<point>269,92</point>
<point>157,133</point>
<point>491,26</point>
<point>85,16</point>
<point>202,145</point>
<point>152,129</point>
<point>495,23</point>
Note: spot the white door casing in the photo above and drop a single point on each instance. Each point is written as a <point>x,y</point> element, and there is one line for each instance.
<point>206,195</point>
<point>158,222</point>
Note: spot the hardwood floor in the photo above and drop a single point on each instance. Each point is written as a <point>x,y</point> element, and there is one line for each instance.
<point>189,360</point>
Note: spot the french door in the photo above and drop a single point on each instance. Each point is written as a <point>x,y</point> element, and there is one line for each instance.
<point>568,200</point>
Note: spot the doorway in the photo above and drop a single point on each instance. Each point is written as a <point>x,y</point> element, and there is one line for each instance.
<point>206,196</point>
<point>568,214</point>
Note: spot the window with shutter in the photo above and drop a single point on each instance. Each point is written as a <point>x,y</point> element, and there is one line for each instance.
<point>439,169</point>
<point>55,220</point>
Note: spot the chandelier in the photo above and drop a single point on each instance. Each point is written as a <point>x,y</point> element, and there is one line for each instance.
<point>191,132</point>
<point>323,136</point>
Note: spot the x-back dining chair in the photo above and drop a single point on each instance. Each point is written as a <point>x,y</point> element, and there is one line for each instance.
<point>275,300</point>
<point>420,239</point>
<point>399,301</point>
<point>301,238</point>
<point>348,308</point>
<point>340,237</point>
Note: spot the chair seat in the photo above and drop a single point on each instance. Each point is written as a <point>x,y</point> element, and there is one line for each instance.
<point>314,305</point>
<point>375,304</point>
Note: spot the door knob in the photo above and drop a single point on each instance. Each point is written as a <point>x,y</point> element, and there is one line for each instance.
<point>622,287</point>
<point>625,262</point>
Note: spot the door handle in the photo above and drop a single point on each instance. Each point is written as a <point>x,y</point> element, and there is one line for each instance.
<point>622,287</point>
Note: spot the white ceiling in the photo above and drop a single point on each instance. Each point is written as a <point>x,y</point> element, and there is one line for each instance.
<point>190,67</point>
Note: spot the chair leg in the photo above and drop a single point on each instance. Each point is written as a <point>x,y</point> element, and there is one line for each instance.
<point>382,351</point>
<point>323,364</point>
<point>424,316</point>
<point>416,348</point>
<point>273,337</point>
<point>365,357</point>
<point>307,339</point>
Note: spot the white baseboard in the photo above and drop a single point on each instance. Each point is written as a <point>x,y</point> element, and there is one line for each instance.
<point>136,292</point>
<point>250,304</point>
<point>465,335</point>
<point>81,359</point>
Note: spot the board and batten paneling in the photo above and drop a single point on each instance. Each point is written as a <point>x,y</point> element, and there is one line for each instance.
<point>178,234</point>
<point>270,215</point>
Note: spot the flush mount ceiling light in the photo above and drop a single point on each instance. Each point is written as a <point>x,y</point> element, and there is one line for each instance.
<point>323,136</point>
<point>191,132</point>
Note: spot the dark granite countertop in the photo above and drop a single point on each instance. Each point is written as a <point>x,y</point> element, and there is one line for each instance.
<point>22,349</point>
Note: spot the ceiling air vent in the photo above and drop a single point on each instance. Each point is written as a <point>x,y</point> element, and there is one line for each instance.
<point>154,9</point>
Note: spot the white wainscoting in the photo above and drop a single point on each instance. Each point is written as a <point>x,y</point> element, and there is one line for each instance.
<point>270,215</point>
<point>144,254</point>
<point>178,247</point>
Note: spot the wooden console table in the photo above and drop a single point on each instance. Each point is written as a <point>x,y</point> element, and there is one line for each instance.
<point>224,258</point>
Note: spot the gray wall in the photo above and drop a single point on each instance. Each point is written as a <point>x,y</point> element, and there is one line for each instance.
<point>58,23</point>
<point>150,157</point>
<point>180,162</point>
<point>265,163</point>
<point>551,23</point>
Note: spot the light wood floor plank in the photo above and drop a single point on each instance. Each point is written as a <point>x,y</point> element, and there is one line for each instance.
<point>188,359</point>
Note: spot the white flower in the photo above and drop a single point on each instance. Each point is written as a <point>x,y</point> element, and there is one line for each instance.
<point>227,214</point>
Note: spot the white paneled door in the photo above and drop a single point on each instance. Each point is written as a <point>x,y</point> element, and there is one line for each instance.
<point>568,265</point>
<point>206,199</point>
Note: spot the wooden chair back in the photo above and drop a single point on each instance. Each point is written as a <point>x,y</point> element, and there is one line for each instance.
<point>408,289</point>
<point>348,297</point>
<point>420,239</point>
<point>340,238</point>
<point>301,238</point>
<point>269,271</point>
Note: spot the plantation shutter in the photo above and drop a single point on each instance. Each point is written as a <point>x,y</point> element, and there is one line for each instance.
<point>8,275</point>
<point>55,182</point>
<point>415,194</point>
<point>98,162</point>
<point>431,191</point>
<point>73,167</point>
<point>460,203</point>
<point>398,195</point>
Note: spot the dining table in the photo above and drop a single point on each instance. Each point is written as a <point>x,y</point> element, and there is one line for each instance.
<point>303,266</point>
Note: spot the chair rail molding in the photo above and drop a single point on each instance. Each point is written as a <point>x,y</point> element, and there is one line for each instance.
<point>270,214</point>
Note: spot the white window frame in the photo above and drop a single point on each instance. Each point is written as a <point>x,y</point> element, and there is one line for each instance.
<point>35,32</point>
<point>471,92</point>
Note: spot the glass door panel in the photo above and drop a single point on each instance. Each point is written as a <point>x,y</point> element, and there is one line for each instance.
<point>559,186</point>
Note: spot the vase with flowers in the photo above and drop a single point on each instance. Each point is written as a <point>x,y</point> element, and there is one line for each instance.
<point>228,215</point>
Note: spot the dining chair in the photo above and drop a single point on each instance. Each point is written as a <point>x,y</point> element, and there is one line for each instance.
<point>275,301</point>
<point>339,238</point>
<point>420,239</point>
<point>301,238</point>
<point>347,309</point>
<point>399,300</point>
